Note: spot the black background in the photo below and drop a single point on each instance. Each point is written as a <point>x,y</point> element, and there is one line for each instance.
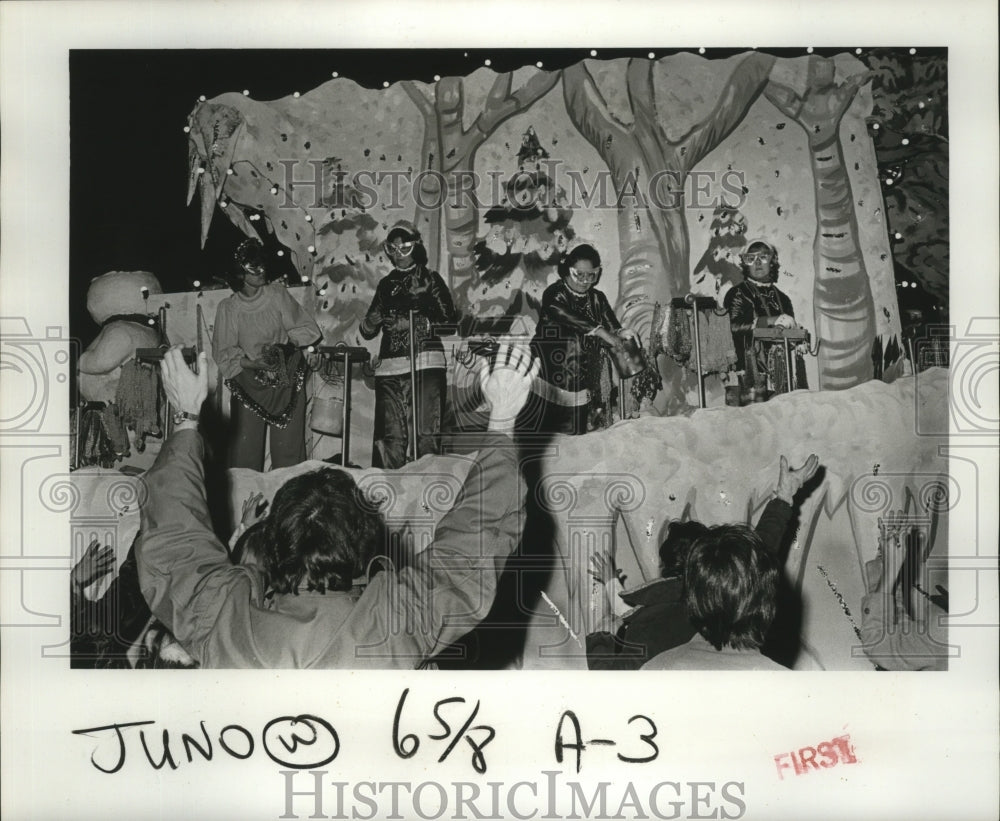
<point>128,150</point>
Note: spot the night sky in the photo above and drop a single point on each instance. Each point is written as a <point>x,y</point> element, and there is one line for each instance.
<point>128,154</point>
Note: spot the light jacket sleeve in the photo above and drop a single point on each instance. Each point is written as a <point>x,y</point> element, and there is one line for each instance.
<point>301,328</point>
<point>404,618</point>
<point>225,341</point>
<point>184,571</point>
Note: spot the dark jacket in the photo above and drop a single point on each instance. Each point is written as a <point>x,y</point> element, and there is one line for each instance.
<point>661,621</point>
<point>562,337</point>
<point>750,306</point>
<point>394,299</point>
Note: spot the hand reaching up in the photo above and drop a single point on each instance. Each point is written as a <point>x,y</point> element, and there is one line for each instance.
<point>791,480</point>
<point>506,382</point>
<point>95,563</point>
<point>254,509</point>
<point>185,389</point>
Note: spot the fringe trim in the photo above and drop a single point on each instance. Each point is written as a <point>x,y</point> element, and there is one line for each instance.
<point>281,420</point>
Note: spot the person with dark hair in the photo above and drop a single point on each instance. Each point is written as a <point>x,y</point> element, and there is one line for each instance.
<point>410,286</point>
<point>575,326</point>
<point>259,332</point>
<point>731,592</point>
<point>293,606</point>
<point>658,619</point>
<point>757,302</point>
<point>320,533</point>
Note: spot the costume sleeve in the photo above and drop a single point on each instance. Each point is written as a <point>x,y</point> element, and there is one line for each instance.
<point>786,304</point>
<point>184,571</point>
<point>557,310</point>
<point>405,618</point>
<point>773,522</point>
<point>372,323</point>
<point>608,318</point>
<point>301,328</point>
<point>742,317</point>
<point>437,304</point>
<point>225,345</point>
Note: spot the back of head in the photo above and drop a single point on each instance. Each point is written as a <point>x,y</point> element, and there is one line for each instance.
<point>674,549</point>
<point>732,584</point>
<point>320,532</point>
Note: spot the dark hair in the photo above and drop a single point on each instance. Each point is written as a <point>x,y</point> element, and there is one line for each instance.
<point>675,547</point>
<point>580,252</point>
<point>319,530</point>
<point>775,263</point>
<point>249,253</point>
<point>151,655</point>
<point>409,235</point>
<point>732,585</point>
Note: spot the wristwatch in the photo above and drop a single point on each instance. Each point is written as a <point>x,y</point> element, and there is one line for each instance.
<point>184,416</point>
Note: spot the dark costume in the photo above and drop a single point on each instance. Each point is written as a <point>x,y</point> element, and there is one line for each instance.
<point>392,302</point>
<point>572,390</point>
<point>752,305</point>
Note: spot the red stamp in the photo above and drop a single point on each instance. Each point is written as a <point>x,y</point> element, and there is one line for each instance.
<point>823,756</point>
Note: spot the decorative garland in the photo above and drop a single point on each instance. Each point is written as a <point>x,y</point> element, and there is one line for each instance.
<point>280,420</point>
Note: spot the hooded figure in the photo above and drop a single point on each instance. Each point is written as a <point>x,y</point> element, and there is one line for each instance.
<point>758,303</point>
<point>575,331</point>
<point>409,286</point>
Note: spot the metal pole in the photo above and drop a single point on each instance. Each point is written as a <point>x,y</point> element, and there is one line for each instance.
<point>199,341</point>
<point>345,435</point>
<point>413,384</point>
<point>789,369</point>
<point>621,398</point>
<point>692,299</point>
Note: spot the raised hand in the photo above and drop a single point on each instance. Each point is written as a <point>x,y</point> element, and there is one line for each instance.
<point>253,510</point>
<point>602,567</point>
<point>185,389</point>
<point>791,480</point>
<point>95,563</point>
<point>506,380</point>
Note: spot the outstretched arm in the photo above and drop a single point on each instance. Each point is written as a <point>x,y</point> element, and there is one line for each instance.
<point>774,520</point>
<point>451,586</point>
<point>184,570</point>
